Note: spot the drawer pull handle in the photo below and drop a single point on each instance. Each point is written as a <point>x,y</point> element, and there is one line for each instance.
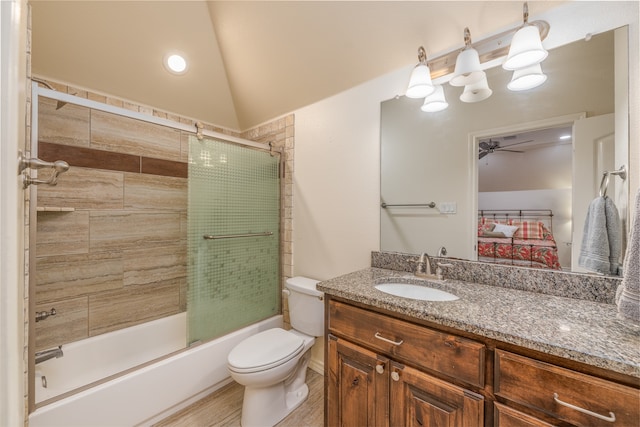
<point>611,418</point>
<point>380,369</point>
<point>395,376</point>
<point>380,337</point>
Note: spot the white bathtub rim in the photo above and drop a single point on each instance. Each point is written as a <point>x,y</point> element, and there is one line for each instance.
<point>38,417</point>
<point>104,343</point>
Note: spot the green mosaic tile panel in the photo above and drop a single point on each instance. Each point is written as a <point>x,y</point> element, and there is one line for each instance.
<point>232,282</point>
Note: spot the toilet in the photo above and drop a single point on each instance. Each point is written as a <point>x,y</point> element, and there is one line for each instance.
<point>272,365</point>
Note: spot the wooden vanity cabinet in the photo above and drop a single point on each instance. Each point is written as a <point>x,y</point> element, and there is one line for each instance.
<point>376,373</point>
<point>418,399</point>
<point>384,371</point>
<point>565,395</point>
<point>358,380</point>
<point>509,417</point>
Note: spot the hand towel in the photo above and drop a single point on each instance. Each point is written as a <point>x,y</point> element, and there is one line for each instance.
<point>601,240</point>
<point>628,295</point>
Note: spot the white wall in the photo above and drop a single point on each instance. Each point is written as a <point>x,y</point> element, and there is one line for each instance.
<point>336,181</point>
<point>547,167</point>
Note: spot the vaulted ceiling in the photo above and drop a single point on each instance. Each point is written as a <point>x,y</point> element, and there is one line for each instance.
<point>249,62</point>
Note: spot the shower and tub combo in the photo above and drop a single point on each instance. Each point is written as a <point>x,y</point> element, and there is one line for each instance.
<point>142,373</point>
<point>146,393</point>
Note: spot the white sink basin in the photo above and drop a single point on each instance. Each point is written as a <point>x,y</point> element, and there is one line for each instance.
<point>407,290</point>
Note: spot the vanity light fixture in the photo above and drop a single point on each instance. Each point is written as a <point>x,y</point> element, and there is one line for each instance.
<point>526,46</point>
<point>467,71</point>
<point>522,47</point>
<point>420,84</point>
<point>565,137</point>
<point>527,78</point>
<point>436,101</point>
<point>476,92</point>
<point>175,63</point>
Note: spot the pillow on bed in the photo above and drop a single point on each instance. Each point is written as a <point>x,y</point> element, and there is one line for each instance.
<point>528,230</point>
<point>492,234</point>
<point>507,230</point>
<point>484,227</point>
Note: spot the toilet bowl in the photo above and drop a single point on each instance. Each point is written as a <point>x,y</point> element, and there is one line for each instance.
<point>272,365</point>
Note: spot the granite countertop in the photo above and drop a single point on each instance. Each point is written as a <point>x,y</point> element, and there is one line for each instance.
<point>579,330</point>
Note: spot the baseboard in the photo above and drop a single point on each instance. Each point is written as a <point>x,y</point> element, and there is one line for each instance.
<point>317,366</point>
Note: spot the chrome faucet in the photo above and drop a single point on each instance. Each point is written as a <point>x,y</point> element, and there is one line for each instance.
<point>423,269</point>
<point>41,356</point>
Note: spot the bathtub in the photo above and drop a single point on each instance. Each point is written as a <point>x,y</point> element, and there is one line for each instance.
<point>142,396</point>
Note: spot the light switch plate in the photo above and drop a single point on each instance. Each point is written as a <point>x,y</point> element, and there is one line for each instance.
<point>448,207</point>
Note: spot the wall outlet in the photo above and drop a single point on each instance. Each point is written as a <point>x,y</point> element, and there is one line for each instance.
<point>448,207</point>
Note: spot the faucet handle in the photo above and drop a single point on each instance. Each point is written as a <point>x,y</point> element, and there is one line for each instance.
<point>439,272</point>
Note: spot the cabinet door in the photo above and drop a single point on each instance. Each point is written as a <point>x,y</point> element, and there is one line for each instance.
<point>358,386</point>
<point>418,399</point>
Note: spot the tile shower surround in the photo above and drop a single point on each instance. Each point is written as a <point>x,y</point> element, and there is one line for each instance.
<point>117,256</point>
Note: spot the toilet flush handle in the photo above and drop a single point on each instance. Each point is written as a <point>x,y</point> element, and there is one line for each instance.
<point>286,293</point>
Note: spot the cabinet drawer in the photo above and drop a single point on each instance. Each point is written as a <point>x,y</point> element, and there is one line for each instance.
<point>419,346</point>
<point>509,417</point>
<point>567,395</point>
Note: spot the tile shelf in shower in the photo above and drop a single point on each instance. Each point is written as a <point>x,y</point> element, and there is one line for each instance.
<point>54,209</point>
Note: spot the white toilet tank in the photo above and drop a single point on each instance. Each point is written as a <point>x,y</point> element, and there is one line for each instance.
<point>306,306</point>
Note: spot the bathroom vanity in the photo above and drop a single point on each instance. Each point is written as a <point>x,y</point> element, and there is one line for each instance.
<point>494,357</point>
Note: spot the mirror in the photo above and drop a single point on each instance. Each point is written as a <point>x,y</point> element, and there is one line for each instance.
<point>434,157</point>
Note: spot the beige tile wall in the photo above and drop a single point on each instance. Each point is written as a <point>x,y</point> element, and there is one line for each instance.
<point>119,258</point>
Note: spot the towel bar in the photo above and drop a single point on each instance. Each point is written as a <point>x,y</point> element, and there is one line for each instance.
<point>235,236</point>
<point>604,183</point>
<point>426,205</point>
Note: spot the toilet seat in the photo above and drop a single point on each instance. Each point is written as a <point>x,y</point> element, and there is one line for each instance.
<point>265,350</point>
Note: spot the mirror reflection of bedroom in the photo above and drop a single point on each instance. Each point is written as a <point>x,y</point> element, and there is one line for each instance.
<point>524,198</point>
<point>532,187</point>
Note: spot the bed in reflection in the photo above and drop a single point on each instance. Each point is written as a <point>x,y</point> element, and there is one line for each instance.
<point>517,237</point>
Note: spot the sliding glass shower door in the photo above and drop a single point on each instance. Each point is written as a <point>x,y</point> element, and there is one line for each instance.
<point>233,238</point>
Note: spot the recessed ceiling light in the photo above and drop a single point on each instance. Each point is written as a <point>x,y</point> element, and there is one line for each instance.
<point>175,63</point>
<point>563,137</point>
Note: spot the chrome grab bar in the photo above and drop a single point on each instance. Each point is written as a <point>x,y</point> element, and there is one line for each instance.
<point>432,205</point>
<point>235,236</point>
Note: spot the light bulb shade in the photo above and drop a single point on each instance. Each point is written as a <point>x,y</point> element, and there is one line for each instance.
<point>467,69</point>
<point>420,84</point>
<point>527,78</point>
<point>435,101</point>
<point>476,92</point>
<point>526,49</point>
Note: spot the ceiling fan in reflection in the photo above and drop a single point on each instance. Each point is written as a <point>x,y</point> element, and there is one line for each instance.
<point>491,146</point>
